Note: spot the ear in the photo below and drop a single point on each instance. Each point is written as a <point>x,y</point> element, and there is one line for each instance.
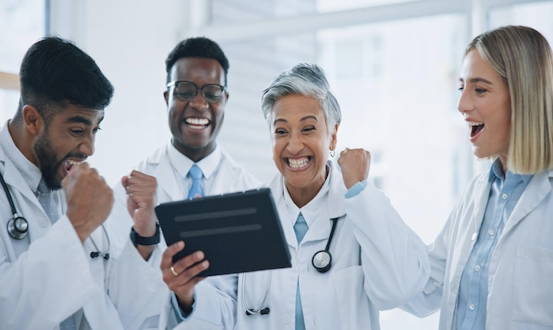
<point>34,123</point>
<point>166,97</point>
<point>334,137</point>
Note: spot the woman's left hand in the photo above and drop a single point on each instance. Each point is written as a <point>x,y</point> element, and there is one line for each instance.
<point>355,164</point>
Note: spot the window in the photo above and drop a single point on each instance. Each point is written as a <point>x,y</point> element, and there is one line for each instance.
<point>21,23</point>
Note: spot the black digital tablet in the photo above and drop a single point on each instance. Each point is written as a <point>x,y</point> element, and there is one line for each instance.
<point>238,232</point>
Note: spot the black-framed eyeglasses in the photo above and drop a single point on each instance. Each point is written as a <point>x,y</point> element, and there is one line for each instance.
<point>187,90</point>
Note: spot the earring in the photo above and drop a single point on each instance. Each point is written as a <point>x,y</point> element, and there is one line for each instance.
<point>332,153</point>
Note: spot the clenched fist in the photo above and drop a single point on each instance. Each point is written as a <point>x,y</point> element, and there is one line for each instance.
<point>89,199</point>
<point>355,164</point>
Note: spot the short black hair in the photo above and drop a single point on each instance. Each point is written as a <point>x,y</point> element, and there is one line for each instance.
<point>196,47</point>
<point>55,71</point>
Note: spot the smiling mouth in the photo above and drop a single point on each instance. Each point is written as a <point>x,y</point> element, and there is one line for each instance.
<point>69,163</point>
<point>475,128</point>
<point>197,123</point>
<point>298,163</point>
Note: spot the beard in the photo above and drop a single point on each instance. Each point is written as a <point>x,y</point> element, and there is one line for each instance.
<point>49,165</point>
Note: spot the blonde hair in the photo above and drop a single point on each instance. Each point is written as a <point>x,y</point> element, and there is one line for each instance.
<point>523,58</point>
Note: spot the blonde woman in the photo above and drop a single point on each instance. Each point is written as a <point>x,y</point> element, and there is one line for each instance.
<point>492,264</point>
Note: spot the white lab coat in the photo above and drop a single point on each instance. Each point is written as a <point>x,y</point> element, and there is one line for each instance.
<point>367,273</point>
<point>230,177</point>
<point>48,276</point>
<point>520,285</point>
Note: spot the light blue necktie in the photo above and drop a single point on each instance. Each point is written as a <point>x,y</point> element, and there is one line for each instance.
<point>196,174</point>
<point>300,227</point>
<point>46,199</point>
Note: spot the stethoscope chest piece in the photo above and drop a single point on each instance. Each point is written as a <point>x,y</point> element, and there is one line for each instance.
<point>322,261</point>
<point>18,227</point>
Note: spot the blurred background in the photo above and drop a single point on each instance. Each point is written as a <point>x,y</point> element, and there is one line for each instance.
<point>393,66</point>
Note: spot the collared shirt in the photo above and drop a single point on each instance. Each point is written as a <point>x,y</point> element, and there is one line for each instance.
<point>473,291</point>
<point>182,164</point>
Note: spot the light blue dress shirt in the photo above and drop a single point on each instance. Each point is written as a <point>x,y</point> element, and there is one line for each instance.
<point>473,290</point>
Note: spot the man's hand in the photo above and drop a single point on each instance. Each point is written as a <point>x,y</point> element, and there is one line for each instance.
<point>355,164</point>
<point>182,276</point>
<point>141,200</point>
<point>89,199</point>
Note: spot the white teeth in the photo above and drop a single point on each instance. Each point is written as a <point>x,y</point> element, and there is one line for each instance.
<point>298,163</point>
<point>473,123</point>
<point>197,121</point>
<point>74,162</point>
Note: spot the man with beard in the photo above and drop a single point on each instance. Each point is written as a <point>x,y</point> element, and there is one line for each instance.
<point>196,95</point>
<point>56,267</point>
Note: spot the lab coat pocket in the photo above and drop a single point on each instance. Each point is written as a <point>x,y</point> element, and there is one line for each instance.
<point>352,302</point>
<point>533,287</point>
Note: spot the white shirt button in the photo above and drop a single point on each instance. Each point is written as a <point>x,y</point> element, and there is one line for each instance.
<point>477,268</point>
<point>473,237</point>
<point>491,232</point>
<point>504,196</point>
<point>472,307</point>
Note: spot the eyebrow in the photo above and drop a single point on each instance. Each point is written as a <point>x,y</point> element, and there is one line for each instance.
<point>82,120</point>
<point>477,80</point>
<point>302,119</point>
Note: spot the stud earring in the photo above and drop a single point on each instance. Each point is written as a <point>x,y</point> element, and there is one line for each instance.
<point>332,153</point>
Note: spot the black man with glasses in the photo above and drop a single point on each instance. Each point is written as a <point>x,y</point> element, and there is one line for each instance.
<point>191,165</point>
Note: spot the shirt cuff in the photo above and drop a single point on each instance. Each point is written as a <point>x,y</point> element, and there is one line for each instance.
<point>179,313</point>
<point>356,189</point>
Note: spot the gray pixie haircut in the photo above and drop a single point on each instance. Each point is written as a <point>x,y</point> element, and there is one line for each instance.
<point>307,80</point>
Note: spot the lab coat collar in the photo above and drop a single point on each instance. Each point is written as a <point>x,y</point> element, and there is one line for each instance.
<point>536,191</point>
<point>163,169</point>
<point>15,179</point>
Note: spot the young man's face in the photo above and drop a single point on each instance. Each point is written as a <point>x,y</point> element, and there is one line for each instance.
<point>195,121</point>
<point>66,140</point>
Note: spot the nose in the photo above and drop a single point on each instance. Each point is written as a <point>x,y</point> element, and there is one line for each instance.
<point>465,103</point>
<point>295,144</point>
<point>198,101</point>
<point>87,145</point>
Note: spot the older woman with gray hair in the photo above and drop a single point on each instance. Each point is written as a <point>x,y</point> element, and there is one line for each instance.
<point>344,268</point>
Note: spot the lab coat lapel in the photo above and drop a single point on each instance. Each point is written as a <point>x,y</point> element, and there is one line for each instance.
<point>479,202</point>
<point>15,182</point>
<point>537,190</point>
<point>277,189</point>
<point>166,179</point>
<point>333,206</point>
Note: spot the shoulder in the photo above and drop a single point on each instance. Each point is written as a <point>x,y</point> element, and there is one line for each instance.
<point>151,162</point>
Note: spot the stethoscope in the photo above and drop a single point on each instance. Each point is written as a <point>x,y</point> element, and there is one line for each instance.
<point>321,261</point>
<point>18,227</point>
